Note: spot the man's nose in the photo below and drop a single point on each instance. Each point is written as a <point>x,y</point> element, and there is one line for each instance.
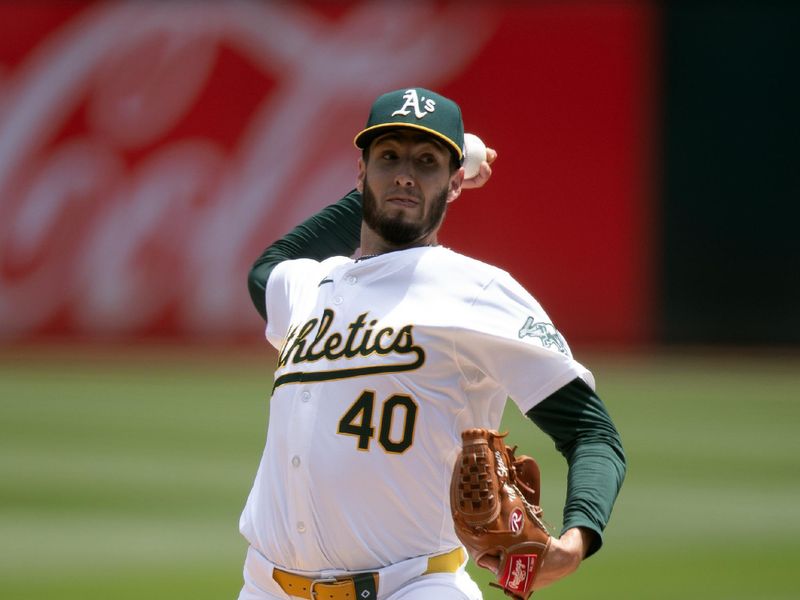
<point>404,178</point>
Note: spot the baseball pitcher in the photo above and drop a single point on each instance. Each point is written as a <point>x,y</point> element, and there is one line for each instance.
<point>383,471</point>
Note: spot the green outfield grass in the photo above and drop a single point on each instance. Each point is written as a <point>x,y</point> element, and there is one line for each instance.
<point>123,472</point>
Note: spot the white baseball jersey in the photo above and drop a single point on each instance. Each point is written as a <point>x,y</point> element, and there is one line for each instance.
<point>383,362</point>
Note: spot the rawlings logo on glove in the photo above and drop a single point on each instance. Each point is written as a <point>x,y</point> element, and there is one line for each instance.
<point>494,499</point>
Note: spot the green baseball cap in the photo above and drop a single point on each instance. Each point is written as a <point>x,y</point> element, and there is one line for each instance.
<point>416,108</point>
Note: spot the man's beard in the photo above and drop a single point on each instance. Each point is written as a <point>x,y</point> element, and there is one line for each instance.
<point>396,230</point>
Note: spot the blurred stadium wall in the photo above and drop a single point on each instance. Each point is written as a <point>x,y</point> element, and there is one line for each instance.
<point>730,201</point>
<point>646,187</point>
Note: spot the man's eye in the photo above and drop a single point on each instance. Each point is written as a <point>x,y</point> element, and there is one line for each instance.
<point>427,159</point>
<point>388,155</point>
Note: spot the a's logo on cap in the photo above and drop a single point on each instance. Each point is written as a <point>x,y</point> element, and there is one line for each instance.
<point>412,100</point>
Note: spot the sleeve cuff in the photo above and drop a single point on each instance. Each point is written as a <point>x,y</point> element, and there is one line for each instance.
<point>597,537</point>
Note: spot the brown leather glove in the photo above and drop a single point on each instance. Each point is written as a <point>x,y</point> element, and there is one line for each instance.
<point>494,498</point>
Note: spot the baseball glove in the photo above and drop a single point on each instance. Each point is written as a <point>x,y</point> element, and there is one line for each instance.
<point>494,498</point>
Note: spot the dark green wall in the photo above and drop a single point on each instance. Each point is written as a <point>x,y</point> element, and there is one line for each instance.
<point>731,168</point>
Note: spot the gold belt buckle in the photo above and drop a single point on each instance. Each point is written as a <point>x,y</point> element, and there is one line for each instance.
<point>315,582</point>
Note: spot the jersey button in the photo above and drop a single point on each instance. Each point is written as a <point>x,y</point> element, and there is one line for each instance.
<point>295,461</point>
<point>301,527</point>
<point>338,300</point>
<point>306,396</point>
<point>352,280</point>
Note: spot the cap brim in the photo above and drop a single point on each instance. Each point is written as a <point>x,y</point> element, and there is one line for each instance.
<point>365,136</point>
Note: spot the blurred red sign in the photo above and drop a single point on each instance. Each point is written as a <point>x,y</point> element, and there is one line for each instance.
<point>149,151</point>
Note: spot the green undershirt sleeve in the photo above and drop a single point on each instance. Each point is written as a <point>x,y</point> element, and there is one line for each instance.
<point>334,231</point>
<point>579,424</point>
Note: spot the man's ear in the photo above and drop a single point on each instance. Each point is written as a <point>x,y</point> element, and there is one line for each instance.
<point>454,190</point>
<point>362,171</point>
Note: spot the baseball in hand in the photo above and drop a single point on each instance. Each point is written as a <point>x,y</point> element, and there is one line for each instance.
<point>474,155</point>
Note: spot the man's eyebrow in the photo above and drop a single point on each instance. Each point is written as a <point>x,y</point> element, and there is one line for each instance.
<point>387,137</point>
